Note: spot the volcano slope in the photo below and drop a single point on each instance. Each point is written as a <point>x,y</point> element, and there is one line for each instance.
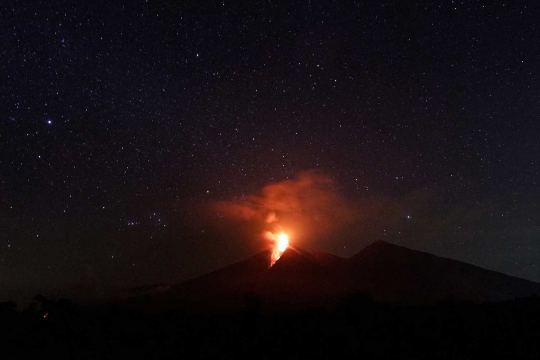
<point>397,274</point>
<point>303,279</point>
<point>297,280</point>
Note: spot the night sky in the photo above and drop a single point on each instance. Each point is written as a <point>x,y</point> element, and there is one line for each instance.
<point>128,132</point>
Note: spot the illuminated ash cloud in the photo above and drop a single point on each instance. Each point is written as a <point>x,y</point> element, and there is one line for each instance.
<point>306,207</point>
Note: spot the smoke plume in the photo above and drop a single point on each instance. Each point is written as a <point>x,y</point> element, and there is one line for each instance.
<point>306,207</point>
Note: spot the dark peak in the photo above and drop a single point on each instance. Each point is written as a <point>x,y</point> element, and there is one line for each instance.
<point>374,249</point>
<point>381,249</point>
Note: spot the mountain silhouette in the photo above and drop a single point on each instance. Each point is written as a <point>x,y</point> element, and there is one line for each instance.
<point>302,279</point>
<point>394,273</point>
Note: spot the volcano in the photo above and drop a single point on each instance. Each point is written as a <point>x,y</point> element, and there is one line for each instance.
<point>302,279</point>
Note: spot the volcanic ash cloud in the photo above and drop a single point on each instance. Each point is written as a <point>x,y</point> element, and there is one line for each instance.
<point>307,207</point>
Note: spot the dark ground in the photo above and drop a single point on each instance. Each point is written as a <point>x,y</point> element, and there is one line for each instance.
<point>357,327</point>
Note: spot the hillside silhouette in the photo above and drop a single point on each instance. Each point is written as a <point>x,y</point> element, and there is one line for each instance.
<point>385,302</point>
<point>301,279</point>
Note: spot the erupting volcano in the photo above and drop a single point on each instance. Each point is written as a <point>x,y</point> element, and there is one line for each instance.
<point>298,279</point>
<point>281,243</point>
<point>285,277</point>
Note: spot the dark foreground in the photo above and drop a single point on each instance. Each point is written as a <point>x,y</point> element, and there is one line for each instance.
<point>357,327</point>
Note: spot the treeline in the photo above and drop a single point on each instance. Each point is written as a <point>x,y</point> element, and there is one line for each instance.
<point>357,327</point>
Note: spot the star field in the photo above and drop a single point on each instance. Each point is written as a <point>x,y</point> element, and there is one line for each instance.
<point>120,120</point>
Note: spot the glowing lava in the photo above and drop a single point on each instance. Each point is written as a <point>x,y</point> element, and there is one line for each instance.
<point>282,243</point>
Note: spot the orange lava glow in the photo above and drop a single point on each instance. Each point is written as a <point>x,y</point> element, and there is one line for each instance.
<point>281,244</point>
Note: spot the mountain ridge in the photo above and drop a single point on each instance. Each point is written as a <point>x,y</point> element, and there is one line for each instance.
<point>304,278</point>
